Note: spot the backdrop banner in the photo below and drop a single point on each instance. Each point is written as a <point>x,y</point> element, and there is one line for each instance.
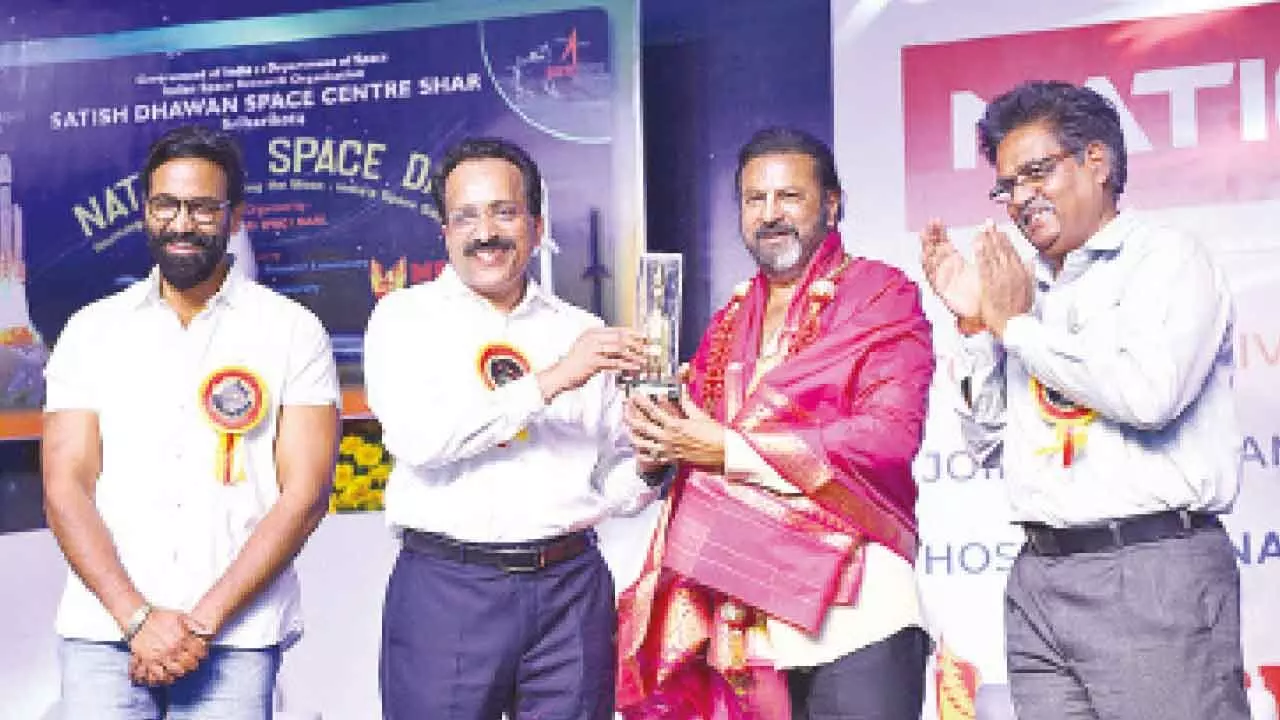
<point>1197,93</point>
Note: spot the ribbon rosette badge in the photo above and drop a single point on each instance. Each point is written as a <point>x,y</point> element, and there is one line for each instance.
<point>1070,422</point>
<point>500,364</point>
<point>234,400</point>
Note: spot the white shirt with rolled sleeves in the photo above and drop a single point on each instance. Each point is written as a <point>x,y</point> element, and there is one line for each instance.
<point>1137,327</point>
<point>175,526</point>
<point>493,465</point>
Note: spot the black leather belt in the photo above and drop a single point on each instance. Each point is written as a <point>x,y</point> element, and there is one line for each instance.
<point>512,557</point>
<point>1115,534</point>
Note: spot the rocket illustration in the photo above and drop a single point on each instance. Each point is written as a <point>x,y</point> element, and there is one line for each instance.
<point>15,317</point>
<point>22,349</point>
<point>6,217</point>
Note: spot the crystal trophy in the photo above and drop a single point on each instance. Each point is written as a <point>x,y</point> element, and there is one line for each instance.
<point>658,290</point>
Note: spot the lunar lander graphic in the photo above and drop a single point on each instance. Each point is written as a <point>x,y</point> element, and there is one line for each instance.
<point>22,350</point>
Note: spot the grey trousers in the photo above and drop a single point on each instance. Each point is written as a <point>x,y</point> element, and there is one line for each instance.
<point>1138,633</point>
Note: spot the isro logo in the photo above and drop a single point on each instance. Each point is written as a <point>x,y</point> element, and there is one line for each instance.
<point>1197,97</point>
<point>401,273</point>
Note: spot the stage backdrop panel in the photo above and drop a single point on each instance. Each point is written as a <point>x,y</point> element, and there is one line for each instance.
<point>1198,95</point>
<point>342,114</point>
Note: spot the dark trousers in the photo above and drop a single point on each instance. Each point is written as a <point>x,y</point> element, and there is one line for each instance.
<point>1141,632</point>
<point>471,642</point>
<point>883,681</point>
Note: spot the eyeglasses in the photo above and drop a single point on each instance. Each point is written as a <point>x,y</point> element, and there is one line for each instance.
<point>1033,172</point>
<point>503,213</point>
<point>201,210</point>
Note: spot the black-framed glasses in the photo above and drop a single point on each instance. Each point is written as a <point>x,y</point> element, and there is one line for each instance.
<point>1033,172</point>
<point>201,210</point>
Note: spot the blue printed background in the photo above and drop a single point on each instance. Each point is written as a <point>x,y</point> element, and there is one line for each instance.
<point>563,116</point>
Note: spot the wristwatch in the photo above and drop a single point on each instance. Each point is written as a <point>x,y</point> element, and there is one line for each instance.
<point>136,621</point>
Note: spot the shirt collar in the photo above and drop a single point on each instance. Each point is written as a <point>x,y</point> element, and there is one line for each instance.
<point>534,294</point>
<point>1109,238</point>
<point>147,291</point>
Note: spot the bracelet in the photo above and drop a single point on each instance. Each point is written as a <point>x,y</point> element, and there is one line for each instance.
<point>136,621</point>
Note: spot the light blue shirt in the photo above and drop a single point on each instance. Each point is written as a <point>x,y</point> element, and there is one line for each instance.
<point>1137,327</point>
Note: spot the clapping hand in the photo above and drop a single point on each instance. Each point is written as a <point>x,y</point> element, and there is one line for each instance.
<point>954,279</point>
<point>1007,283</point>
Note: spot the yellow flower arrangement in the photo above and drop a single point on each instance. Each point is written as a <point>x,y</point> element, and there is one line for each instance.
<point>362,471</point>
<point>368,455</point>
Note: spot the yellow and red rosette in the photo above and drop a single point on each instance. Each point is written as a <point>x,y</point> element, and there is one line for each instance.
<point>499,364</point>
<point>234,401</point>
<point>1069,421</point>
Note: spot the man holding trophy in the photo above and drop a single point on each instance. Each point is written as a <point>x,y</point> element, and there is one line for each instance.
<point>499,403</point>
<point>779,582</point>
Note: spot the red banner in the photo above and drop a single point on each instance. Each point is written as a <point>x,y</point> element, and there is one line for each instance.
<point>1197,95</point>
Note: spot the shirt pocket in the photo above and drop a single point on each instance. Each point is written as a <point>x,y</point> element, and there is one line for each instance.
<point>1093,308</point>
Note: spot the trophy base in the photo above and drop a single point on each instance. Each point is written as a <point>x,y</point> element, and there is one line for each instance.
<point>654,389</point>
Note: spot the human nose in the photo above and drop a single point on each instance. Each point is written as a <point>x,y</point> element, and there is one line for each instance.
<point>484,224</point>
<point>182,219</point>
<point>772,207</point>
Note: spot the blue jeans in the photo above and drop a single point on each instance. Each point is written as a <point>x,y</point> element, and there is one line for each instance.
<point>230,684</point>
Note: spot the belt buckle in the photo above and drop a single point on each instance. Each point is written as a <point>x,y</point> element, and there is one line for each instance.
<point>539,563</point>
<point>1043,540</point>
<point>1188,523</point>
<point>1117,535</point>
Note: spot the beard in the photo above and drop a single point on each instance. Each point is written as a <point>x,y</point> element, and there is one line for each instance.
<point>779,259</point>
<point>788,250</point>
<point>185,271</point>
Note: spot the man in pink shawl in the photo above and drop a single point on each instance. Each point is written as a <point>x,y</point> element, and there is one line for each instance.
<point>804,410</point>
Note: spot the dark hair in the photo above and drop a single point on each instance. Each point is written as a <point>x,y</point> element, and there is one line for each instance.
<point>783,140</point>
<point>495,148</point>
<point>1077,115</point>
<point>196,141</point>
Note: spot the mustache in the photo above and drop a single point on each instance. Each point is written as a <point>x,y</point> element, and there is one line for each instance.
<point>489,243</point>
<point>201,240</point>
<point>1032,206</point>
<point>777,227</point>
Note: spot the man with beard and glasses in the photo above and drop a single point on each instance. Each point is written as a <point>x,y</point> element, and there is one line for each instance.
<point>190,435</point>
<point>1102,376</point>
<point>500,404</point>
<point>804,409</point>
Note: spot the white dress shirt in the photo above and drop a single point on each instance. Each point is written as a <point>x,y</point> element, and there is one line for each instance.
<point>175,526</point>
<point>492,465</point>
<point>1137,326</point>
